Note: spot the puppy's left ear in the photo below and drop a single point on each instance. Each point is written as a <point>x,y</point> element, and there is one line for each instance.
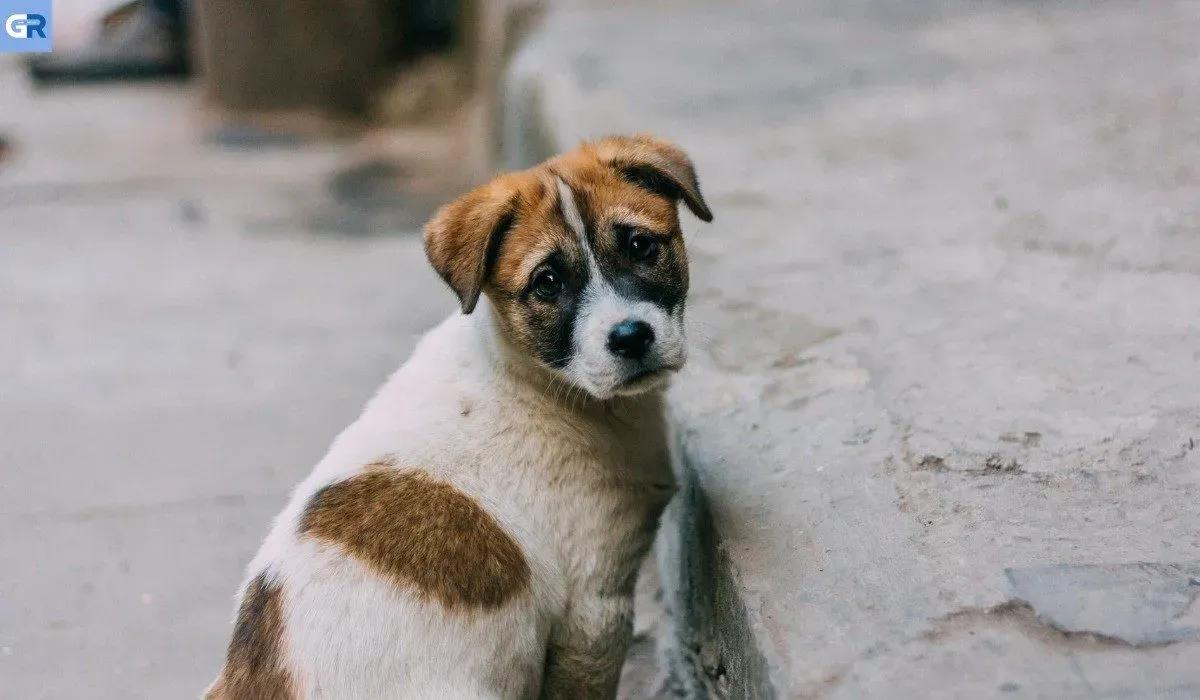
<point>463,238</point>
<point>657,165</point>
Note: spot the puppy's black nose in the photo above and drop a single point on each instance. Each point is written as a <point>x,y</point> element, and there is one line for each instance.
<point>630,339</point>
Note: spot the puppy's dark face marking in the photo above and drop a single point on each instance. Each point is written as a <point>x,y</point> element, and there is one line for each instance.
<point>635,238</point>
<point>538,279</point>
<point>589,241</point>
<point>254,667</point>
<point>422,534</point>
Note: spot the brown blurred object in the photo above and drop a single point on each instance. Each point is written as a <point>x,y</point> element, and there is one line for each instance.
<point>337,66</point>
<point>336,58</point>
<point>325,56</point>
<point>422,105</point>
<point>427,91</point>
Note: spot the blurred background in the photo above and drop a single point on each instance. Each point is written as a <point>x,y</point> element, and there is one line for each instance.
<point>940,425</point>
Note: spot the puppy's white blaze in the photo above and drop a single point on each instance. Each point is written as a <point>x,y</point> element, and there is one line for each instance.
<point>570,212</point>
<point>601,307</point>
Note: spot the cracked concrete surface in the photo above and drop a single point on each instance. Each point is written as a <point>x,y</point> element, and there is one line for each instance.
<point>947,328</point>
<point>1140,605</point>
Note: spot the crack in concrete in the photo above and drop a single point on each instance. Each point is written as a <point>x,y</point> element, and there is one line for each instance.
<point>1024,618</point>
<point>994,463</point>
<point>1014,613</point>
<point>1077,668</point>
<point>1183,612</point>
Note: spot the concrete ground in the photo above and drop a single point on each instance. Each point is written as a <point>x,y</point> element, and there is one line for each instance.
<point>941,427</point>
<point>185,327</point>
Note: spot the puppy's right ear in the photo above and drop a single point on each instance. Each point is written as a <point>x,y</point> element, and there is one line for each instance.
<point>656,165</point>
<point>463,238</point>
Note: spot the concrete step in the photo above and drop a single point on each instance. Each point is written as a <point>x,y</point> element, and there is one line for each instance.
<point>938,437</point>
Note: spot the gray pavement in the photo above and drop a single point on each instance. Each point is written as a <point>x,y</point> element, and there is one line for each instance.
<point>182,335</point>
<point>945,406</point>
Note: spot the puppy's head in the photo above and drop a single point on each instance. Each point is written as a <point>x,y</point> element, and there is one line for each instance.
<point>582,259</point>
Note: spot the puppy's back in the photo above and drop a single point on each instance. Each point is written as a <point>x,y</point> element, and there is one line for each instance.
<point>389,574</point>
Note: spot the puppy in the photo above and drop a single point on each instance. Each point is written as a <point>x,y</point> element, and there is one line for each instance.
<point>477,531</point>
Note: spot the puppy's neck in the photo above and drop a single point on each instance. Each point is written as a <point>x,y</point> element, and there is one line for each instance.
<point>530,376</point>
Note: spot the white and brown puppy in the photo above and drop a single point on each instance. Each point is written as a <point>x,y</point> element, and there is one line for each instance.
<point>477,532</point>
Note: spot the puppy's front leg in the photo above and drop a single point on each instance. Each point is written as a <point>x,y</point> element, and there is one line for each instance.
<point>587,650</point>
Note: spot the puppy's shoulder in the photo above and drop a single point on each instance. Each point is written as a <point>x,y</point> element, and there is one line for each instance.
<point>420,532</point>
<point>450,356</point>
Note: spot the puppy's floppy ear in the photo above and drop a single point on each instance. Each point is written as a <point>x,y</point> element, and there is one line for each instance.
<point>657,165</point>
<point>463,238</point>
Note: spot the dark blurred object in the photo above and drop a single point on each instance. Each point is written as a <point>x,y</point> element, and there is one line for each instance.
<point>141,39</point>
<point>328,56</point>
<point>4,148</point>
<point>433,25</point>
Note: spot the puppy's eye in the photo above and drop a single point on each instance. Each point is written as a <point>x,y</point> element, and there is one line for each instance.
<point>547,285</point>
<point>642,247</point>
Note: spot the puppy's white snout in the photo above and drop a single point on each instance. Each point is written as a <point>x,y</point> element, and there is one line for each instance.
<point>630,339</point>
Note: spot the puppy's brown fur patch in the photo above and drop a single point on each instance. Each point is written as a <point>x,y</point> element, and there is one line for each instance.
<point>421,534</point>
<point>253,665</point>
